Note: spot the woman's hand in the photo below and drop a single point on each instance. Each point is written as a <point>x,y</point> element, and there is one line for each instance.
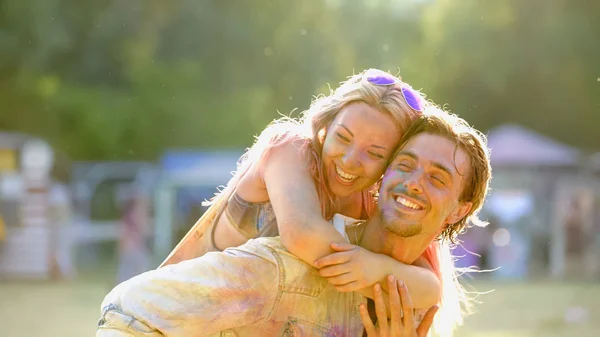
<point>350,268</point>
<point>399,301</point>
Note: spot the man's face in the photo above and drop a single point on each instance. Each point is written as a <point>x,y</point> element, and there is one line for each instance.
<point>420,191</point>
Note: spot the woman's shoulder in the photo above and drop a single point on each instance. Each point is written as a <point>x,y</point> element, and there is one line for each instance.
<point>293,147</point>
<point>287,158</point>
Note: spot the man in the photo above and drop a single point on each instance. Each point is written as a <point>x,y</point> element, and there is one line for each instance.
<point>437,181</point>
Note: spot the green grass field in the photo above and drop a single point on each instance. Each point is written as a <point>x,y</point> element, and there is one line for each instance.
<point>69,309</point>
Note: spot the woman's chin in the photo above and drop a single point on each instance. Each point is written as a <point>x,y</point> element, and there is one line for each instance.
<point>342,190</point>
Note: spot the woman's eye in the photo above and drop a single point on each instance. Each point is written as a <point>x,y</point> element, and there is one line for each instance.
<point>376,155</point>
<point>342,138</point>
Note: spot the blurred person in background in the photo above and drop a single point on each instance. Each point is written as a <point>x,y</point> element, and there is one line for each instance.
<point>134,254</point>
<point>60,211</point>
<point>2,233</point>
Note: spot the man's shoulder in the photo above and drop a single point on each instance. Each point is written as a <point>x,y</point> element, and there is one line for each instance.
<point>269,248</point>
<point>272,249</point>
<point>297,276</point>
<point>266,246</point>
<point>261,244</point>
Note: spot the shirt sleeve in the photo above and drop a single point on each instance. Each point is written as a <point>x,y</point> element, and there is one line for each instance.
<point>198,297</point>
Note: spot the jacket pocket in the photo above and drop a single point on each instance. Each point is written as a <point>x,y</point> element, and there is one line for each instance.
<point>301,328</point>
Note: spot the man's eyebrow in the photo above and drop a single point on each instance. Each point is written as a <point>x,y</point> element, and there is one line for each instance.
<point>443,168</point>
<point>408,154</point>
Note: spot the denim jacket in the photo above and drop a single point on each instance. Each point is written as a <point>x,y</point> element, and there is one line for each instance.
<point>263,291</point>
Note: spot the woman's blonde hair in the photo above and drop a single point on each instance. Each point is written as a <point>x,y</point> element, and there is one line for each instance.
<point>310,129</point>
<point>384,98</point>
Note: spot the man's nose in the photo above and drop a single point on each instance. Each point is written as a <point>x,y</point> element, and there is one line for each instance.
<point>414,182</point>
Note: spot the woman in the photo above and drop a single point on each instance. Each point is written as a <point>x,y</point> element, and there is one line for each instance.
<point>302,172</point>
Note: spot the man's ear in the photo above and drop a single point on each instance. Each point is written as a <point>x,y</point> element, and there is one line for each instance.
<point>460,212</point>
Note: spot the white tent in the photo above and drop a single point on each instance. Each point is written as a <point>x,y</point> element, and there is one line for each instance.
<point>515,145</point>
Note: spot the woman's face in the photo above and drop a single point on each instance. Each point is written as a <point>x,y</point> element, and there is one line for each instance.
<point>357,148</point>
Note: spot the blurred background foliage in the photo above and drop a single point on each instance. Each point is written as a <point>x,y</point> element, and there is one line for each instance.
<point>116,79</point>
<point>128,80</point>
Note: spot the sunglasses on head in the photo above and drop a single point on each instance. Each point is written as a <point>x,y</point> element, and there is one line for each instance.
<point>411,96</point>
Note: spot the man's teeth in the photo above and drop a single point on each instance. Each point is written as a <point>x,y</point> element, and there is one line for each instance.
<point>347,177</point>
<point>407,203</point>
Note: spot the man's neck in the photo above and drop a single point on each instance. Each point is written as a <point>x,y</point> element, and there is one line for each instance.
<point>380,240</point>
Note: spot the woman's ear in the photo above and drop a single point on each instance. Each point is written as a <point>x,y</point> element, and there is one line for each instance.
<point>321,135</point>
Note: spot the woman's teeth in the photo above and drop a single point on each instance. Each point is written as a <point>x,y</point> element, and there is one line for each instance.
<point>345,177</point>
<point>408,204</point>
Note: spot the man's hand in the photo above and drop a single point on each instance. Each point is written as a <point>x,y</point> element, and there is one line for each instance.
<point>350,268</point>
<point>397,326</point>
